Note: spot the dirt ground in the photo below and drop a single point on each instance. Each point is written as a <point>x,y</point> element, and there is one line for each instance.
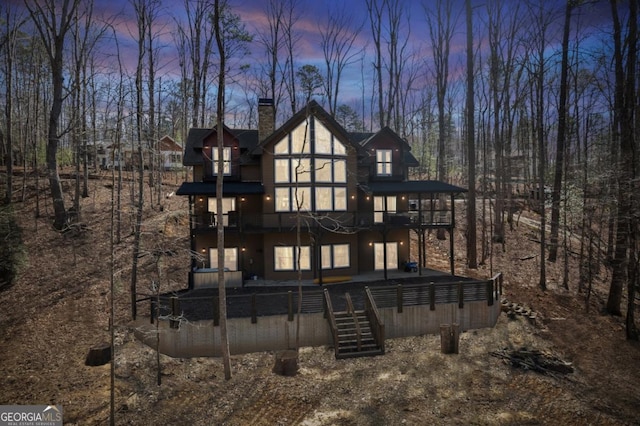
<point>58,309</point>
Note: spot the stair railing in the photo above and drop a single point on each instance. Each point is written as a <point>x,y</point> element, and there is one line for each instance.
<point>375,320</point>
<point>351,310</point>
<point>332,320</point>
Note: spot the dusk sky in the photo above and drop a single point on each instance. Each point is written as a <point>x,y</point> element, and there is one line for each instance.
<point>313,15</point>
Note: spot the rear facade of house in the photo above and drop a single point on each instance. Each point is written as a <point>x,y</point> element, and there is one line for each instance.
<point>346,196</point>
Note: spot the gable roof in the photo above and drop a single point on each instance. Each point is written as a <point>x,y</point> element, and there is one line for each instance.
<point>167,143</point>
<point>312,108</point>
<point>407,158</point>
<point>248,139</point>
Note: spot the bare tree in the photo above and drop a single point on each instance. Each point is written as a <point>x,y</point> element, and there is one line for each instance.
<point>53,22</point>
<point>8,45</point>
<point>231,38</point>
<point>472,257</point>
<point>538,66</point>
<point>625,261</point>
<point>146,12</point>
<point>560,141</point>
<point>195,43</point>
<point>291,37</point>
<point>337,40</point>
<point>441,25</point>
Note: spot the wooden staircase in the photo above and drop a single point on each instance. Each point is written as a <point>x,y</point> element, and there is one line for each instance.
<point>355,333</point>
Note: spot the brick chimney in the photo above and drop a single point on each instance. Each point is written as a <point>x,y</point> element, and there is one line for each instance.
<point>266,118</point>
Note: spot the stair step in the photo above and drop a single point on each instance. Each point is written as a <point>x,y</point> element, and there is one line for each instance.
<point>356,354</point>
<point>353,327</point>
<point>363,347</point>
<point>350,319</point>
<point>354,332</point>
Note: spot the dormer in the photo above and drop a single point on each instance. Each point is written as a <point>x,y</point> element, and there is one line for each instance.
<point>387,156</point>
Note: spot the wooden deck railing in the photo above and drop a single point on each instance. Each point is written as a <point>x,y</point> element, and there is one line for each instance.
<point>328,309</point>
<point>375,320</point>
<point>194,308</point>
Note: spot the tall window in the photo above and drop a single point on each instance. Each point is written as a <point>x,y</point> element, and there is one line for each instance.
<point>391,258</point>
<point>310,155</point>
<point>230,258</point>
<point>335,256</point>
<point>226,160</point>
<point>285,258</point>
<point>383,162</point>
<point>382,205</point>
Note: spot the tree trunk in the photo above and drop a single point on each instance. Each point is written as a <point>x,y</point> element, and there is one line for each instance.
<point>220,107</point>
<point>560,142</point>
<point>472,262</point>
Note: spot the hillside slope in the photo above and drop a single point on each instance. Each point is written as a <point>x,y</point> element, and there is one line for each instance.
<point>59,308</point>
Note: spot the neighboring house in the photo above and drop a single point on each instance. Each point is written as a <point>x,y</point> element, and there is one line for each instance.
<point>108,156</point>
<point>349,193</point>
<point>170,153</point>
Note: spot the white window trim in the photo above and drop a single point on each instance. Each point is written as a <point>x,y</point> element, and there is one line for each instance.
<point>226,155</point>
<point>384,166</point>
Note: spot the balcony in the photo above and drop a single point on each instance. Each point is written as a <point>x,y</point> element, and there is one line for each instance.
<point>353,221</point>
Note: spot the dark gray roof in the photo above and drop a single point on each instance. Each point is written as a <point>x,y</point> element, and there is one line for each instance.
<point>248,138</point>
<point>228,188</point>
<point>412,187</point>
<point>193,148</point>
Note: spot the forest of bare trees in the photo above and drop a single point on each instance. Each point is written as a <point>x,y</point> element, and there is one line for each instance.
<point>531,104</point>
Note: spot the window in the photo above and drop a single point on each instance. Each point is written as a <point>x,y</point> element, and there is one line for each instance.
<point>288,199</point>
<point>392,256</point>
<point>226,159</point>
<point>228,205</point>
<point>339,171</point>
<point>331,199</point>
<point>325,143</point>
<point>335,256</point>
<point>293,164</point>
<point>300,139</point>
<point>383,162</point>
<point>322,139</point>
<point>288,170</point>
<point>230,258</point>
<point>282,170</point>
<point>330,170</point>
<point>285,258</point>
<point>382,204</point>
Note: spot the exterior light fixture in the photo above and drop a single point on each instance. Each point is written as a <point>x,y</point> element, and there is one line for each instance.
<point>370,244</point>
<point>268,197</point>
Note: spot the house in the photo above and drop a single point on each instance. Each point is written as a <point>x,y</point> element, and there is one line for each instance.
<point>348,194</point>
<point>170,153</point>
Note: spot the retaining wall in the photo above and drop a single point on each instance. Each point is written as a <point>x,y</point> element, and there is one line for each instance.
<point>276,332</point>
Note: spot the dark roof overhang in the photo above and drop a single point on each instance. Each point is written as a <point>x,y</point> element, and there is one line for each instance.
<point>228,188</point>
